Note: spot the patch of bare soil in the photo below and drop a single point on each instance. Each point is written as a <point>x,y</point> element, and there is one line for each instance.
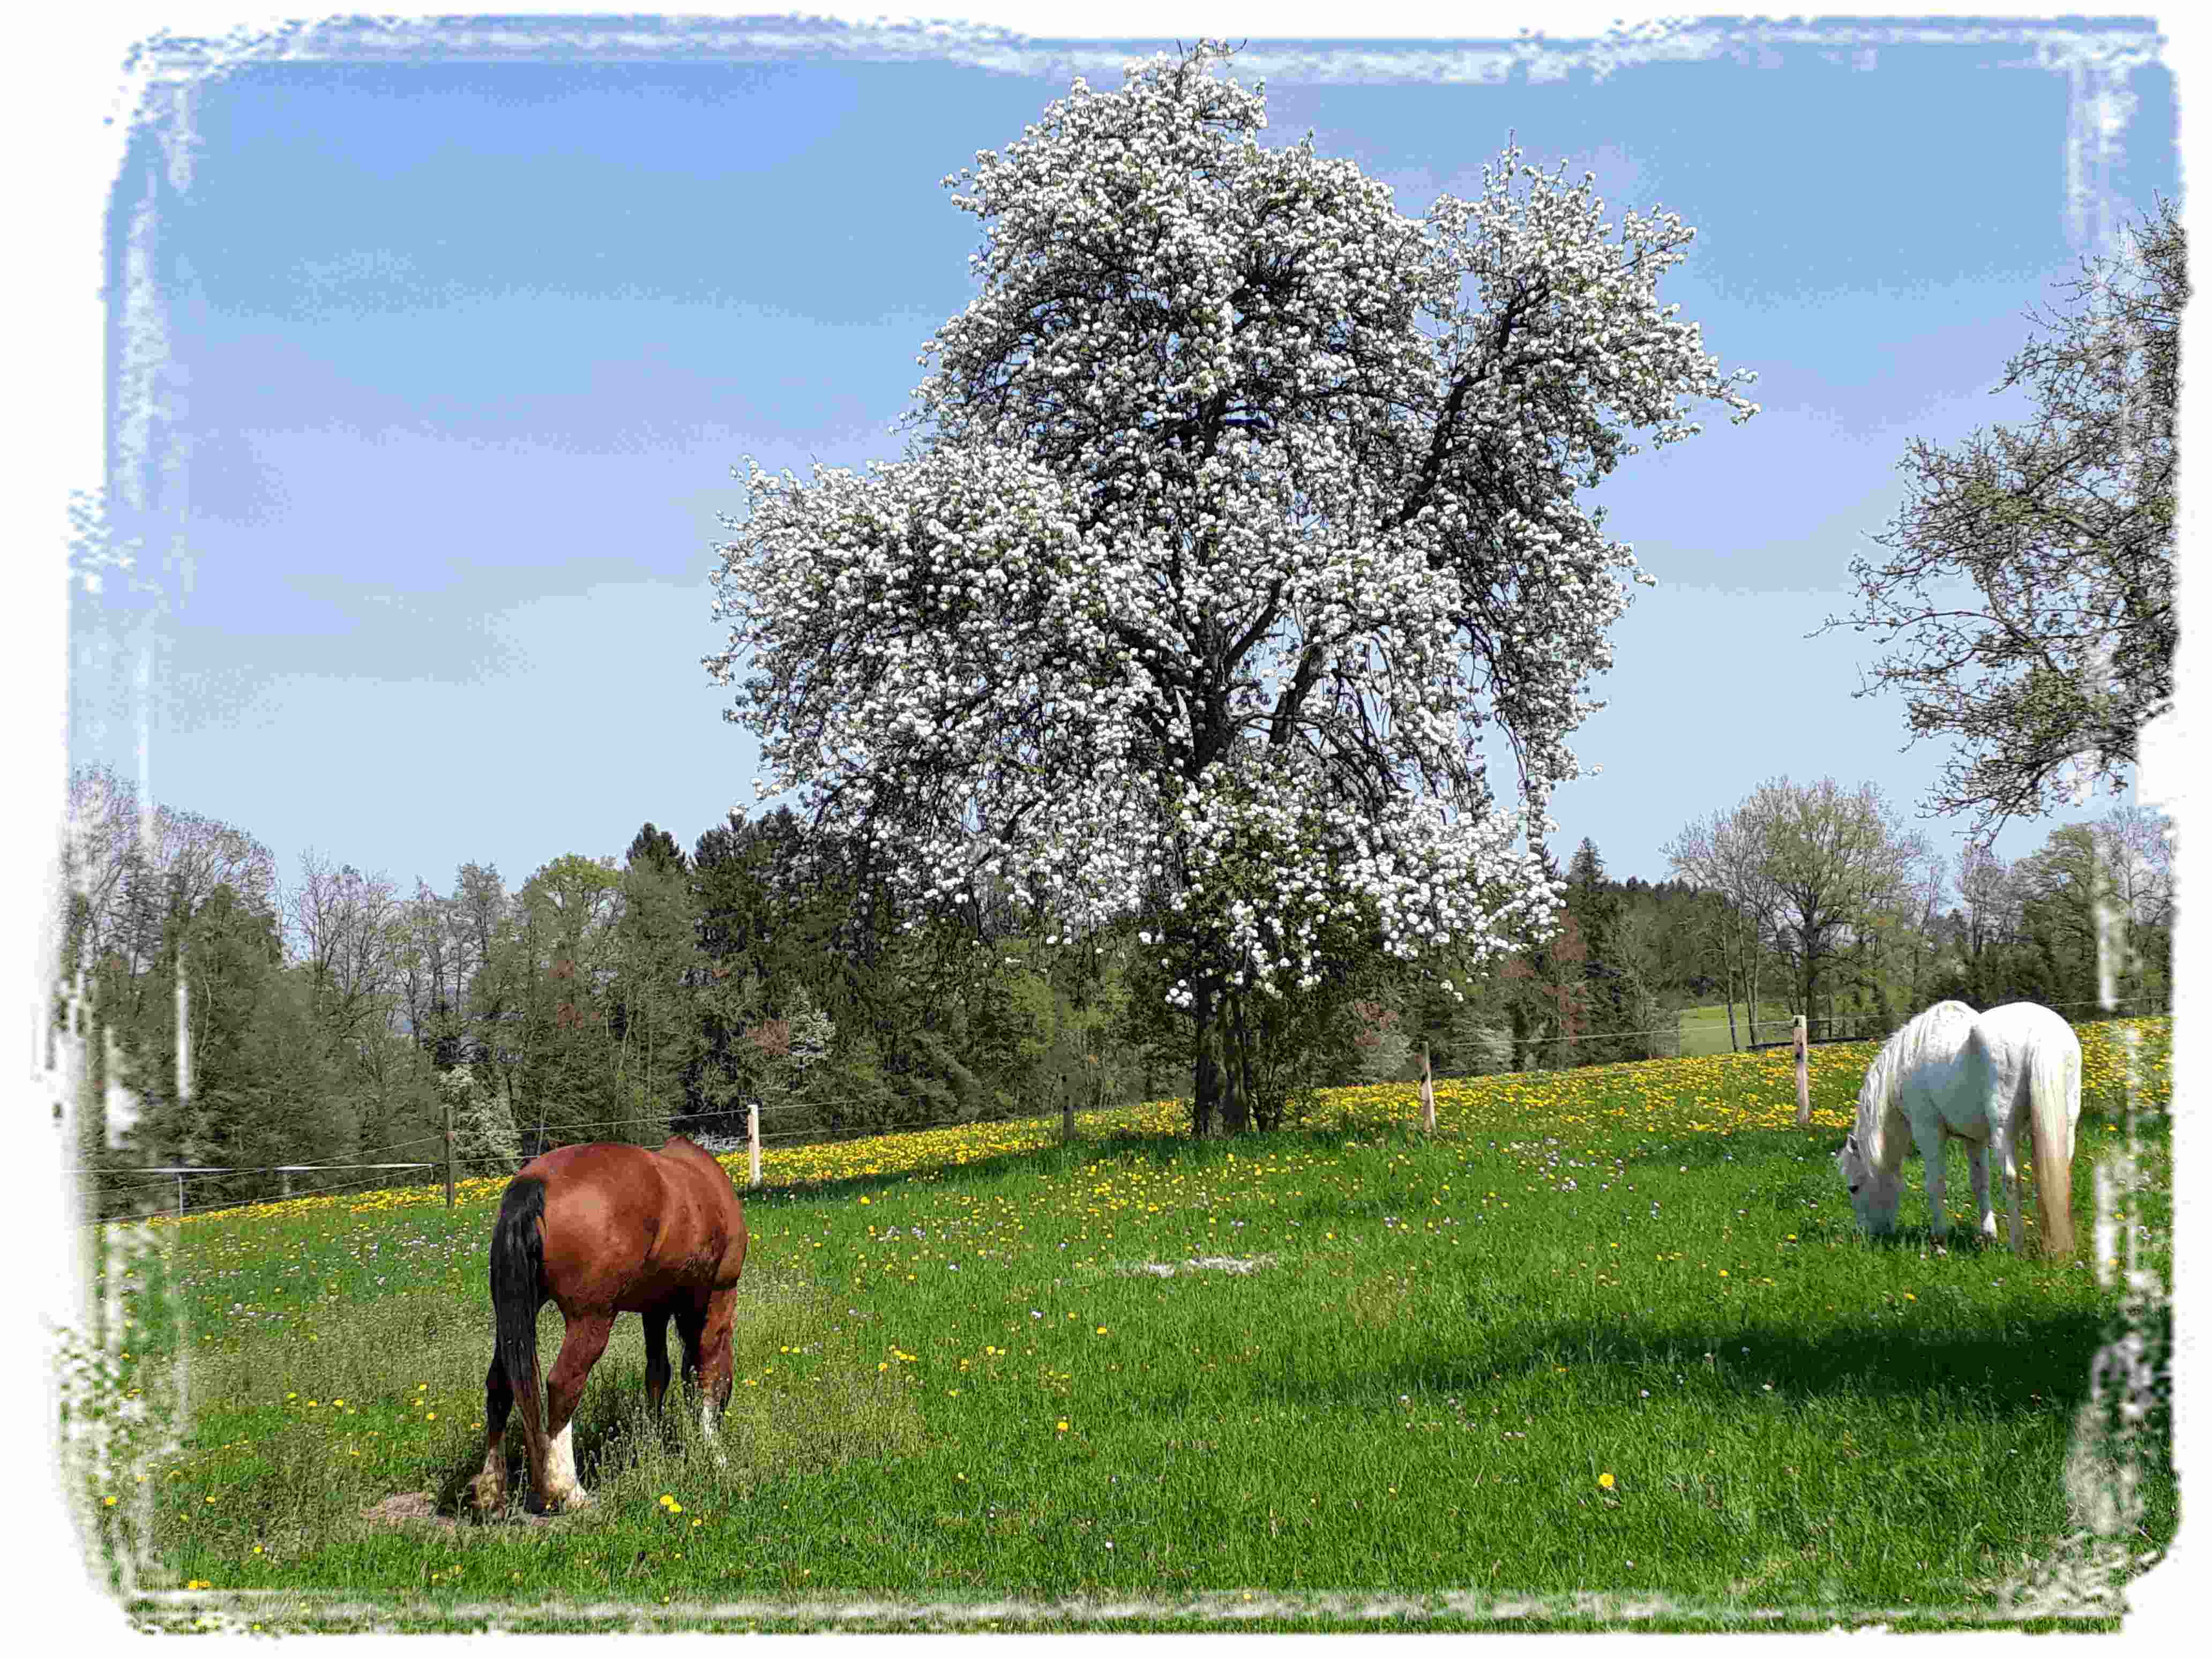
<point>403,1507</point>
<point>1227,1264</point>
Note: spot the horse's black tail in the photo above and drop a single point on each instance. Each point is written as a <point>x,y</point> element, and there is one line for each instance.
<point>518,1265</point>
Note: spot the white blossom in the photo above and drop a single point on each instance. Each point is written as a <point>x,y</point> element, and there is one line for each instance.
<point>1243,506</point>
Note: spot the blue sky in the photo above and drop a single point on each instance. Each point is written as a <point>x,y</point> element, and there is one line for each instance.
<point>463,354</point>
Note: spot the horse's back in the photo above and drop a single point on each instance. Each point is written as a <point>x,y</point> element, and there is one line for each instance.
<point>713,1238</point>
<point>2019,1026</point>
<point>626,1226</point>
<point>1934,1054</point>
<point>1938,1033</point>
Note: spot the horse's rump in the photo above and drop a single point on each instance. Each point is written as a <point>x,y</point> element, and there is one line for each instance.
<point>2045,1057</point>
<point>626,1227</point>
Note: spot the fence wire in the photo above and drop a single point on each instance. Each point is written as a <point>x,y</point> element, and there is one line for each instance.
<point>146,1175</point>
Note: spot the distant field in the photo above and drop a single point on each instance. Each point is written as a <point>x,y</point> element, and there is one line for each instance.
<point>1607,1341</point>
<point>1705,1031</point>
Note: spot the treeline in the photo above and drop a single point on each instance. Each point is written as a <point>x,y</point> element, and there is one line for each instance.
<point>1833,907</point>
<point>333,1020</point>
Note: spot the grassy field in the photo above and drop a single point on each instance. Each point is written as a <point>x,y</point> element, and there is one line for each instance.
<point>1705,1031</point>
<point>1606,1347</point>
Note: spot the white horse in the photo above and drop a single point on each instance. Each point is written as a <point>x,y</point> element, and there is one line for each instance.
<point>1983,1079</point>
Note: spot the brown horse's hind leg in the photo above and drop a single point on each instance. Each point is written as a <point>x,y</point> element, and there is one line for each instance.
<point>489,1486</point>
<point>691,1323</point>
<point>656,1357</point>
<point>717,1358</point>
<point>695,1324</point>
<point>581,1348</point>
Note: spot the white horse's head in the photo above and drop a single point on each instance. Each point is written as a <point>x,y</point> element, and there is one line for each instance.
<point>1874,1191</point>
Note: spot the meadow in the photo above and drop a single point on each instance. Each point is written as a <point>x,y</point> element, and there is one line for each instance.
<point>1704,1031</point>
<point>1605,1348</point>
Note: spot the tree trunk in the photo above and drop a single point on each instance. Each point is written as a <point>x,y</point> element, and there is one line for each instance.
<point>1730,969</point>
<point>1236,1092</point>
<point>1205,1073</point>
<point>1751,1018</point>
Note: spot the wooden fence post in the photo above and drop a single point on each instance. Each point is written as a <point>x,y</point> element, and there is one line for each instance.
<point>1428,1095</point>
<point>1067,1113</point>
<point>752,1135</point>
<point>1804,1095</point>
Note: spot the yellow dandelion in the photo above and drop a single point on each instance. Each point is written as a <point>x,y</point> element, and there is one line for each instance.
<point>1606,1480</point>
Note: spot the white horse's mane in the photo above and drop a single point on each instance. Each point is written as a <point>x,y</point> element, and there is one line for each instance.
<point>1907,1047</point>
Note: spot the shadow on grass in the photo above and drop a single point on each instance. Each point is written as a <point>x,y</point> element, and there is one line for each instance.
<point>2035,1368</point>
<point>614,1432</point>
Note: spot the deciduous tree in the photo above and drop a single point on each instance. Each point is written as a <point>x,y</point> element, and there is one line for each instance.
<point>1817,864</point>
<point>1240,507</point>
<point>342,930</point>
<point>2064,530</point>
<point>1722,855</point>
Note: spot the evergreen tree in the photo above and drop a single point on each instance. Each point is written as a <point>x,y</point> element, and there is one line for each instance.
<point>258,1080</point>
<point>657,846</point>
<point>654,1011</point>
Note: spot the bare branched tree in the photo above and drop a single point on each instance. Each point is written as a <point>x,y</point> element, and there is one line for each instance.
<point>341,923</point>
<point>2029,592</point>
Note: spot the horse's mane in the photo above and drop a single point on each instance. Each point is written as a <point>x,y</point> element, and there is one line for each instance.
<point>1907,1046</point>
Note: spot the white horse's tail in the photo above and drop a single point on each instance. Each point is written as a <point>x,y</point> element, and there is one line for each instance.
<point>2054,1095</point>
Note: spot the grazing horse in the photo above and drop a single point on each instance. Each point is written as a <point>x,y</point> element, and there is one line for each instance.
<point>600,1231</point>
<point>1984,1079</point>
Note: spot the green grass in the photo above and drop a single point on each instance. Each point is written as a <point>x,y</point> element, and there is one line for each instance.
<point>1705,1031</point>
<point>953,1386</point>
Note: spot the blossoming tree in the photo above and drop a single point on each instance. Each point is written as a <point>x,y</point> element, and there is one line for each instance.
<point>1240,508</point>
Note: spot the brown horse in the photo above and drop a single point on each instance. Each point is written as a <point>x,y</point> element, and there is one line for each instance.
<point>600,1231</point>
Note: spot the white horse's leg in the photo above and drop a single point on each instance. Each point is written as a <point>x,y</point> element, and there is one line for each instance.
<point>710,1424</point>
<point>1978,1168</point>
<point>561,1491</point>
<point>2008,1160</point>
<point>1927,1136</point>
